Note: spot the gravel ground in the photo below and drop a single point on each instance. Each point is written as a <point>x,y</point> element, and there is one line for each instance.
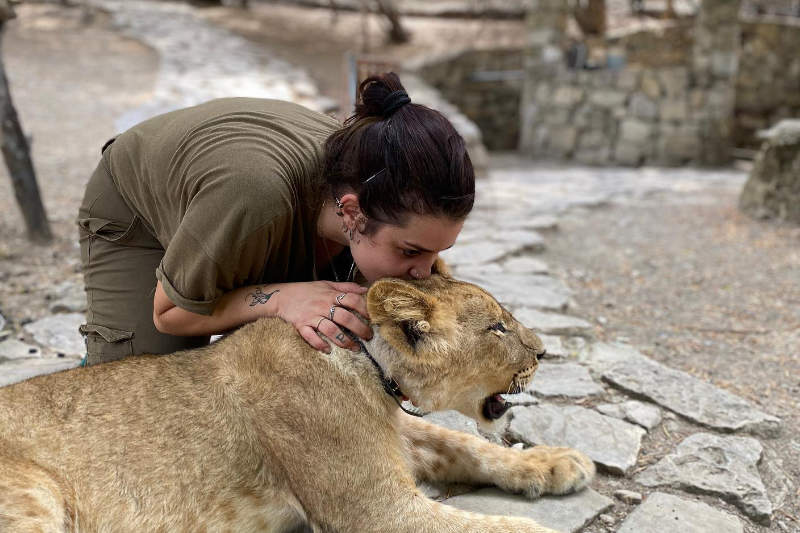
<point>700,287</point>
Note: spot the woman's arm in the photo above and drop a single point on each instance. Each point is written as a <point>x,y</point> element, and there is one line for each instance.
<point>305,305</point>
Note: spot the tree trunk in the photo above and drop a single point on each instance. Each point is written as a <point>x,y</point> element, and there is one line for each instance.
<point>18,160</point>
<point>397,33</point>
<point>591,17</point>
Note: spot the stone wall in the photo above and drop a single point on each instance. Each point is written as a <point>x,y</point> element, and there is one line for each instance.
<point>768,85</point>
<point>677,111</point>
<point>486,86</point>
<point>684,94</point>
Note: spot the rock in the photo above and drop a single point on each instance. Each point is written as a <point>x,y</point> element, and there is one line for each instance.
<point>629,153</point>
<point>643,107</point>
<point>519,239</point>
<point>607,519</point>
<point>14,349</point>
<point>476,253</point>
<point>68,297</point>
<point>60,333</point>
<point>602,356</point>
<point>525,265</point>
<point>563,513</point>
<point>628,496</point>
<point>536,222</point>
<point>563,379</point>
<point>608,98</point>
<point>640,413</point>
<point>22,369</point>
<point>773,188</point>
<point>635,131</point>
<point>520,290</point>
<point>455,421</point>
<point>523,398</point>
<point>609,442</point>
<point>554,346</point>
<point>552,323</point>
<point>696,400</point>
<point>2,321</point>
<point>717,465</point>
<point>662,512</point>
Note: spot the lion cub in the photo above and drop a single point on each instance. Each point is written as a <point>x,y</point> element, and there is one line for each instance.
<point>260,432</point>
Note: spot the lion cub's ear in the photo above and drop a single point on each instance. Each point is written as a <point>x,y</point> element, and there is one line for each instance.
<point>441,268</point>
<point>398,301</point>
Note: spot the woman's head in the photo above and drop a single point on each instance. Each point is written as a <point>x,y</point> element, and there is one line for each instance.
<point>400,158</point>
<point>409,174</point>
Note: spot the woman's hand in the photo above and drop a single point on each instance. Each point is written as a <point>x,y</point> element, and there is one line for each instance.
<point>324,307</point>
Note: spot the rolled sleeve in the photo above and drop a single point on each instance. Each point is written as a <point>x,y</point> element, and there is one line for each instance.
<point>201,307</point>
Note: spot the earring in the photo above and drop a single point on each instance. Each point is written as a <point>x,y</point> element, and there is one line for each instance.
<point>339,206</point>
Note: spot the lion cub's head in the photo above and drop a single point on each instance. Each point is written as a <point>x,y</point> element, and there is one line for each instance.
<point>450,345</point>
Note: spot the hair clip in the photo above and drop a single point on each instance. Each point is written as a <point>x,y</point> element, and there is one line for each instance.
<point>373,176</point>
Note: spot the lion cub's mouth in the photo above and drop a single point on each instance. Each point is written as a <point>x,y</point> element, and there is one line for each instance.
<point>495,406</point>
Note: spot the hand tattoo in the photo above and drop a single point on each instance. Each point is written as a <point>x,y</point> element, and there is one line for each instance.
<point>258,297</point>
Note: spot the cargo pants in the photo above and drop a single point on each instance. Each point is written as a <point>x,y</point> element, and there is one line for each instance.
<point>119,257</point>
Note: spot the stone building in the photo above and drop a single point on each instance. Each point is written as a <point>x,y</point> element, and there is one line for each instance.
<point>687,92</point>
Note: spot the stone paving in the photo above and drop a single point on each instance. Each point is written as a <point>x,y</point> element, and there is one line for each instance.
<point>635,394</point>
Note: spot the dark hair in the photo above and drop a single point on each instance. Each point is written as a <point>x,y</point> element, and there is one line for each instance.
<point>399,157</point>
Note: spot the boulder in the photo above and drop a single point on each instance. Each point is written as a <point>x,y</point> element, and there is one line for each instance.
<point>773,188</point>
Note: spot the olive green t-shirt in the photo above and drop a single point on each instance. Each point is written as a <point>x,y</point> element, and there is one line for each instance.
<point>230,188</point>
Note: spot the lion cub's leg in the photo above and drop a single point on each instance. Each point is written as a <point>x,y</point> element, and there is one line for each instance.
<point>442,455</point>
<point>31,500</point>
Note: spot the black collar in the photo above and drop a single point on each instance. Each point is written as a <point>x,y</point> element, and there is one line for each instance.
<point>389,385</point>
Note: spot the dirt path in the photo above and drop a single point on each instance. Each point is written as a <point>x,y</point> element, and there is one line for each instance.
<point>285,32</point>
<point>70,78</point>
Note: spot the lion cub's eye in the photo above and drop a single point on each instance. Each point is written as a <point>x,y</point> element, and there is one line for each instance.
<point>498,327</point>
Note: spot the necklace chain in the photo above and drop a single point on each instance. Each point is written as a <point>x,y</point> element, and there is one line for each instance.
<point>332,263</point>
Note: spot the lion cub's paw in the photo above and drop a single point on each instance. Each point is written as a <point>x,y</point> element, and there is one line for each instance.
<point>569,469</point>
<point>551,470</point>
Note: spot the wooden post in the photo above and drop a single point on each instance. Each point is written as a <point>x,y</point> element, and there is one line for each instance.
<point>16,153</point>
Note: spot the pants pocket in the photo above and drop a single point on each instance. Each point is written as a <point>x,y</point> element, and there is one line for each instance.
<point>104,344</point>
<point>109,230</point>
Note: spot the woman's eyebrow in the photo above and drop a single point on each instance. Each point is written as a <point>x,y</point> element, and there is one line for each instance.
<point>421,249</point>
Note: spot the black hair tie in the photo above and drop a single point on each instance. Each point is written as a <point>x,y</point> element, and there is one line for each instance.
<point>393,102</point>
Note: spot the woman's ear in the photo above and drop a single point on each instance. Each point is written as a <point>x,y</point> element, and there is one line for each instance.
<point>352,217</point>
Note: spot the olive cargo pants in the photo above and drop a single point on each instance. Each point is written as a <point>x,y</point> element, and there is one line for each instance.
<point>119,257</point>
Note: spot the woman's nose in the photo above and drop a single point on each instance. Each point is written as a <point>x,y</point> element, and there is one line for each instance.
<point>422,270</point>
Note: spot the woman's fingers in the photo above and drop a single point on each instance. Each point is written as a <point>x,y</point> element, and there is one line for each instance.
<point>352,301</point>
<point>346,286</point>
<point>345,318</point>
<point>336,335</point>
<point>311,337</point>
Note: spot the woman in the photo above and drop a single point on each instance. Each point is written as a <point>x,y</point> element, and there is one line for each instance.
<point>203,219</point>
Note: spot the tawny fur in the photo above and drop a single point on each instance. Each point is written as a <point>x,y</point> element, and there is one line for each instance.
<point>260,432</point>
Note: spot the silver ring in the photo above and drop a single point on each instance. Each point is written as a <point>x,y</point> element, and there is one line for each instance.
<point>320,321</point>
<point>333,310</point>
<point>340,337</point>
<point>340,298</point>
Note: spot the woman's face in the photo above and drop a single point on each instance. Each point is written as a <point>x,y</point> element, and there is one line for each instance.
<point>404,251</point>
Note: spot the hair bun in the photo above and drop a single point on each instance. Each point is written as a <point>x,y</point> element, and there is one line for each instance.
<point>393,102</point>
<point>380,96</point>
